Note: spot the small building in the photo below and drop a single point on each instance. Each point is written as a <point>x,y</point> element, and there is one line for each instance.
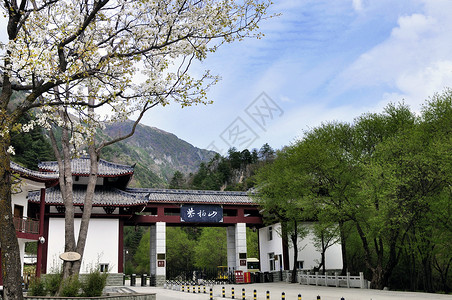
<point>275,255</point>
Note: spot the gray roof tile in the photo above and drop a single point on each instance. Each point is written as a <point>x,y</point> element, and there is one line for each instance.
<point>81,166</point>
<point>193,196</point>
<point>35,174</point>
<point>104,196</point>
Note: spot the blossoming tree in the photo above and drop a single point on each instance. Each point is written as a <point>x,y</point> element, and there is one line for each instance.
<point>124,56</point>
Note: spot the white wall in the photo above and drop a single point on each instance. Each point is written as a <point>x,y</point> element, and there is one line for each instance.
<point>267,246</point>
<point>101,244</point>
<point>306,251</point>
<point>312,257</point>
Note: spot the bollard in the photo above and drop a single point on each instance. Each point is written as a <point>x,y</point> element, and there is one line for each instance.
<point>255,295</point>
<point>283,296</point>
<point>268,295</point>
<point>144,279</point>
<point>224,293</point>
<point>299,296</point>
<point>342,298</point>
<point>133,277</point>
<point>183,288</point>
<point>211,294</point>
<point>204,289</point>
<point>318,297</point>
<point>199,289</point>
<point>124,279</point>
<point>243,294</point>
<point>232,293</point>
<point>194,289</point>
<point>188,288</point>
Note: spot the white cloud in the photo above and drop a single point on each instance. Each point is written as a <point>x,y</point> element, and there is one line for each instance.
<point>357,5</point>
<point>414,59</point>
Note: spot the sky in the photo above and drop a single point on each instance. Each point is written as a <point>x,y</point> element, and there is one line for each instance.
<point>319,61</point>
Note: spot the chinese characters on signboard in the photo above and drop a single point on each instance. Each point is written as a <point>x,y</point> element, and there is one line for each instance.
<point>201,213</point>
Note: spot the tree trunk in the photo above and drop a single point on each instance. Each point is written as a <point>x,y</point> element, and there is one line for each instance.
<point>10,254</point>
<point>294,238</point>
<point>343,248</point>
<point>323,254</point>
<point>87,206</point>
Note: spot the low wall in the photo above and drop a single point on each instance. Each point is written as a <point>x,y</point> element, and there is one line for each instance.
<point>325,280</point>
<point>112,297</point>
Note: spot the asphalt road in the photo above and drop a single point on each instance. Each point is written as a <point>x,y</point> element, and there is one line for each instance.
<point>291,292</point>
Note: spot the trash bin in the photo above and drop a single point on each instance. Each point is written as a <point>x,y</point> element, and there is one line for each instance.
<point>261,277</point>
<point>268,277</point>
<point>239,278</point>
<point>247,277</point>
<point>133,279</point>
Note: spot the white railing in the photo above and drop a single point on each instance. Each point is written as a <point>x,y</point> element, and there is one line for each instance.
<point>329,280</point>
<point>334,280</point>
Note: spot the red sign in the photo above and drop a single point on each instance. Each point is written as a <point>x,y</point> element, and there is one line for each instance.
<point>161,263</point>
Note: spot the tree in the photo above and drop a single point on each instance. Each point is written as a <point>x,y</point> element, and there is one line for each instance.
<point>180,251</point>
<point>325,154</point>
<point>279,189</point>
<point>142,254</point>
<point>178,181</point>
<point>211,248</point>
<point>74,55</point>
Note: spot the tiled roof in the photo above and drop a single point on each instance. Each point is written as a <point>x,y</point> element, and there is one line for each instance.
<point>103,196</point>
<point>193,196</point>
<point>81,166</point>
<point>33,174</point>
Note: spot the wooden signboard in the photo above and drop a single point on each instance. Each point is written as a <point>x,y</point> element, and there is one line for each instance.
<point>70,256</point>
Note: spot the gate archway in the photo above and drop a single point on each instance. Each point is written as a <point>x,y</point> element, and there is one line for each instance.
<point>233,210</point>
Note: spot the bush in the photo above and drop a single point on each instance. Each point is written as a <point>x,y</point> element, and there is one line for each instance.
<point>94,284</point>
<point>70,287</point>
<point>52,282</point>
<point>37,288</point>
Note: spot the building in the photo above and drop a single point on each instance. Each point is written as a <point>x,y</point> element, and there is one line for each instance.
<point>275,255</point>
<point>39,216</point>
<point>115,206</point>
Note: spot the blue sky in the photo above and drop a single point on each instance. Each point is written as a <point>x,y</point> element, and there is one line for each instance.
<point>319,61</point>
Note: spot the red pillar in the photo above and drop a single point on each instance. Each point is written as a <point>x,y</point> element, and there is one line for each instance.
<point>42,206</point>
<point>121,247</point>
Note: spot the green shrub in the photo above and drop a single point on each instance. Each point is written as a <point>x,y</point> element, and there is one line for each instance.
<point>52,282</point>
<point>70,287</point>
<point>37,287</point>
<point>94,284</point>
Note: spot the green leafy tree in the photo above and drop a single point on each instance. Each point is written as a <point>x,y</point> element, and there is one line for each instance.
<point>325,155</point>
<point>142,254</point>
<point>211,248</point>
<point>178,181</point>
<point>280,188</point>
<point>180,251</point>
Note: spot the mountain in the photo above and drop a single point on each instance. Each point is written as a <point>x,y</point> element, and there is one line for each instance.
<point>156,153</point>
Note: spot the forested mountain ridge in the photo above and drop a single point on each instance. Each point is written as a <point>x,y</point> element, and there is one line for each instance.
<point>156,153</point>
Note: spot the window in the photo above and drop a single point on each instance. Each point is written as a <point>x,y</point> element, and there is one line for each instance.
<point>103,268</point>
<point>300,265</point>
<point>270,233</point>
<point>271,259</point>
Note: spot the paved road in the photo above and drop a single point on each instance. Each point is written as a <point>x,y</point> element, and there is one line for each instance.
<point>291,292</point>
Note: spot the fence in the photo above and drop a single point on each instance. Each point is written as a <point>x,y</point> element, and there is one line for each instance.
<point>328,280</point>
<point>195,275</point>
<point>26,225</point>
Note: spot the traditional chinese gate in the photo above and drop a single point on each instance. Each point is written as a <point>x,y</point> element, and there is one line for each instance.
<point>234,210</point>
